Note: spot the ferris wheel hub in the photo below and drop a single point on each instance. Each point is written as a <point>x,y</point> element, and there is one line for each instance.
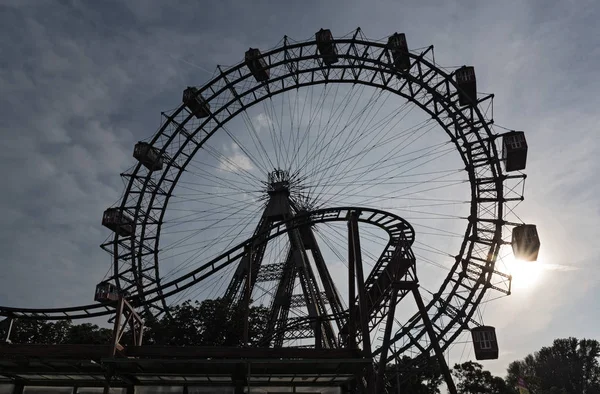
<point>279,182</point>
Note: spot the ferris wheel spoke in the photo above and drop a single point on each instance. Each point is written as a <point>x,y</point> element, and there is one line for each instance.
<point>305,140</point>
<point>428,249</point>
<point>395,194</point>
<point>352,128</point>
<point>225,166</point>
<point>323,145</point>
<point>390,163</point>
<point>256,140</point>
<point>342,157</point>
<point>196,231</point>
<point>358,189</point>
<point>191,260</point>
<point>391,196</point>
<point>321,141</point>
<point>421,258</point>
<point>217,181</point>
<point>372,133</point>
<point>215,210</point>
<point>406,162</point>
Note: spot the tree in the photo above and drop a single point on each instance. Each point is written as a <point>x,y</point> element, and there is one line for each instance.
<point>473,379</point>
<point>36,331</point>
<point>206,323</point>
<point>181,330</point>
<point>414,379</point>
<point>87,333</point>
<point>42,332</point>
<point>569,366</point>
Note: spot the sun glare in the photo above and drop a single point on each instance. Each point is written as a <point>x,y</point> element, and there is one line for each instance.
<point>525,274</point>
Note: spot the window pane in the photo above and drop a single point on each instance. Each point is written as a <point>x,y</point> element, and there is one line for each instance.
<point>6,388</point>
<point>159,389</point>
<point>49,390</point>
<point>211,390</point>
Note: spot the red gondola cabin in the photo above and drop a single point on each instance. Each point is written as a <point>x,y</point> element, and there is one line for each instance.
<point>514,151</point>
<point>467,85</point>
<point>148,156</point>
<point>118,221</point>
<point>257,65</point>
<point>525,242</point>
<point>106,292</point>
<point>326,46</point>
<point>399,50</point>
<point>485,343</point>
<point>195,103</point>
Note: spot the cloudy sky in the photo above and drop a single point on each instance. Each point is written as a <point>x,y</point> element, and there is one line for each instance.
<point>81,82</point>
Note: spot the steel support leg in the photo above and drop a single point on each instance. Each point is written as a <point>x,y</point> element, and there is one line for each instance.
<point>117,328</point>
<point>328,285</point>
<point>379,387</point>
<point>434,342</point>
<point>360,284</point>
<point>248,296</point>
<point>362,295</point>
<point>351,291</point>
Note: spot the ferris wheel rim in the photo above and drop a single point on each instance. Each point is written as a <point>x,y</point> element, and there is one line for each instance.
<point>375,66</point>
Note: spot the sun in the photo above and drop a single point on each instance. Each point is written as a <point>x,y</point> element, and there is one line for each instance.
<point>525,274</point>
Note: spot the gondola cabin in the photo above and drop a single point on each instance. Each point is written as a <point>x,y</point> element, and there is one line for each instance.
<point>485,343</point>
<point>326,46</point>
<point>106,292</point>
<point>514,151</point>
<point>257,64</point>
<point>399,49</point>
<point>195,103</point>
<point>525,242</point>
<point>467,85</point>
<point>148,156</point>
<point>118,221</point>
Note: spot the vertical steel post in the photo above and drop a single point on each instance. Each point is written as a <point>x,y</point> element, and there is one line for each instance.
<point>247,298</point>
<point>379,386</point>
<point>434,343</point>
<point>360,279</point>
<point>117,326</point>
<point>397,371</point>
<point>351,289</point>
<point>362,297</point>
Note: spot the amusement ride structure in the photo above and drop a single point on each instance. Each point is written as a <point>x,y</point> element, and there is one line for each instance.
<point>289,181</point>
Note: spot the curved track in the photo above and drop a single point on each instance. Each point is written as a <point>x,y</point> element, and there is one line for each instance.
<point>400,232</point>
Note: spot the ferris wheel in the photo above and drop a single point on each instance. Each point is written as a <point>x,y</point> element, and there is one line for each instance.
<point>313,163</point>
